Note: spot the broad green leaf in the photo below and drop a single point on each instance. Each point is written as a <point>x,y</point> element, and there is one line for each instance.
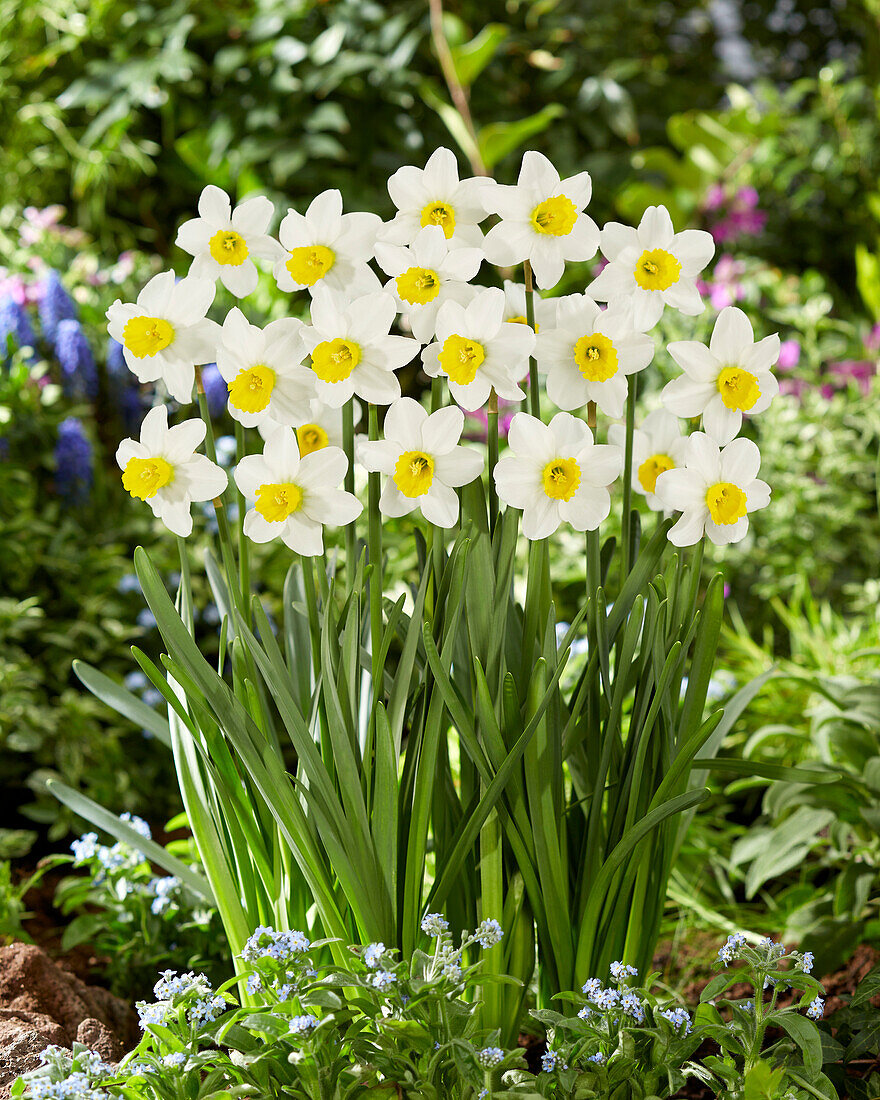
<point>472,57</point>
<point>122,701</point>
<point>500,138</point>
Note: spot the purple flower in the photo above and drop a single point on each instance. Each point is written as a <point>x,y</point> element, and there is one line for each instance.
<point>73,461</point>
<point>860,371</point>
<point>789,355</point>
<point>742,216</point>
<point>56,305</point>
<point>216,390</point>
<point>125,390</point>
<point>714,198</point>
<point>79,375</point>
<point>792,387</point>
<point>14,322</point>
<point>872,340</point>
<point>724,289</point>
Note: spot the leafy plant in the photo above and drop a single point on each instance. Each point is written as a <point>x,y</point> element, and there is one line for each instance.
<point>133,917</point>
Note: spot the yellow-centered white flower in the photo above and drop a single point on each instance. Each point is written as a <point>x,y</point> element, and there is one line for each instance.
<point>163,469</point>
<point>225,242</point>
<point>658,446</point>
<point>320,427</point>
<point>263,370</point>
<point>423,462</point>
<point>515,306</point>
<point>589,353</point>
<point>730,377</point>
<point>477,350</point>
<point>434,195</point>
<point>351,350</point>
<point>715,490</point>
<point>427,274</point>
<point>542,220</point>
<point>165,334</point>
<point>555,473</point>
<point>326,248</point>
<point>295,497</point>
<point>652,267</point>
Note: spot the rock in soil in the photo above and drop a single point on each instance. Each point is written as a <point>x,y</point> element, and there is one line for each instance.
<point>42,1004</point>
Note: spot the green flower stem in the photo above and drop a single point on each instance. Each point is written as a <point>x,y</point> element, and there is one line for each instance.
<point>626,518</point>
<point>493,458</point>
<point>436,394</point>
<point>375,548</point>
<point>226,548</point>
<point>244,560</point>
<point>348,447</point>
<point>534,394</point>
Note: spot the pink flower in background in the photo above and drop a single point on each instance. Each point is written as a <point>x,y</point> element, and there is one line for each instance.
<point>38,221</point>
<point>872,340</point>
<point>14,286</point>
<point>860,371</point>
<point>723,288</point>
<point>827,391</point>
<point>789,355</point>
<point>714,198</point>
<point>792,387</point>
<point>482,417</point>
<point>742,216</point>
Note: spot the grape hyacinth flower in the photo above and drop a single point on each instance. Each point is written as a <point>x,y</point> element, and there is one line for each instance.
<point>79,374</point>
<point>73,462</point>
<point>14,322</point>
<point>56,306</point>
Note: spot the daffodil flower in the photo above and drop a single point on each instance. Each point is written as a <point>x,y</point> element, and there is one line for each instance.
<point>515,306</point>
<point>589,353</point>
<point>426,275</point>
<point>478,351</point>
<point>295,497</point>
<point>658,446</point>
<point>555,473</point>
<point>730,377</point>
<point>351,350</point>
<point>434,195</point>
<point>422,460</point>
<point>165,334</point>
<point>542,220</point>
<point>652,267</point>
<point>225,242</point>
<point>163,469</point>
<point>326,248</point>
<point>715,491</point>
<point>263,370</point>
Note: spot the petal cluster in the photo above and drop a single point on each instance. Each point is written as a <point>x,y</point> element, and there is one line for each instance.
<point>422,460</point>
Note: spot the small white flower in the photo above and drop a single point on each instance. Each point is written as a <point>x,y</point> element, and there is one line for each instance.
<point>320,427</point>
<point>477,350</point>
<point>294,497</point>
<point>589,353</point>
<point>714,491</point>
<point>166,333</point>
<point>729,377</point>
<point>424,464</point>
<point>351,350</point>
<point>652,267</point>
<point>542,220</point>
<point>224,241</point>
<point>556,473</point>
<point>263,370</point>
<point>426,275</point>
<point>163,469</point>
<point>325,247</point>
<point>658,445</point>
<point>515,306</point>
<point>434,195</point>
